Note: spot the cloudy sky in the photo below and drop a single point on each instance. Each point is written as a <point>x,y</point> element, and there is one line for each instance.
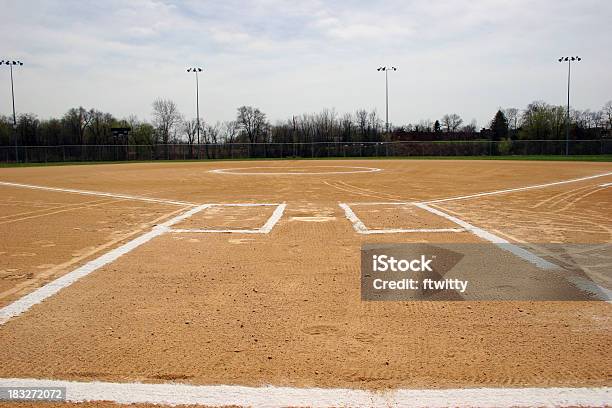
<point>293,57</point>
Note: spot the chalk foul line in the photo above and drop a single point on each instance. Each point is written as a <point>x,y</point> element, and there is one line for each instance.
<point>98,193</point>
<point>270,396</point>
<point>26,302</point>
<point>510,190</point>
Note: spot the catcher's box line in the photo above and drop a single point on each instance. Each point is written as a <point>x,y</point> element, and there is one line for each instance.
<point>270,396</point>
<point>360,227</point>
<point>26,302</point>
<point>265,229</point>
<point>504,244</point>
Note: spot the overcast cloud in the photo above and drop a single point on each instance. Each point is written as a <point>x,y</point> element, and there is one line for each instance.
<point>468,57</point>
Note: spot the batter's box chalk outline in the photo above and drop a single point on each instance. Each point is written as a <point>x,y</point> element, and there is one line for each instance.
<point>264,229</point>
<point>361,228</point>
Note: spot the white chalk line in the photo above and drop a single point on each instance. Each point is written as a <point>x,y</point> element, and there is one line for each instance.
<point>382,203</point>
<point>215,231</point>
<point>265,229</point>
<point>26,302</point>
<point>510,190</point>
<point>488,193</point>
<point>419,230</point>
<point>357,224</point>
<point>288,173</point>
<point>272,397</point>
<point>360,227</point>
<point>276,215</point>
<point>98,193</point>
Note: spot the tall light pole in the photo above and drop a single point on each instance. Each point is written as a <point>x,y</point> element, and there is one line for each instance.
<point>386,70</point>
<point>11,64</point>
<point>196,70</point>
<point>567,118</point>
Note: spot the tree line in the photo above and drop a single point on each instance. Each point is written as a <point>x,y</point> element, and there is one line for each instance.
<point>79,126</point>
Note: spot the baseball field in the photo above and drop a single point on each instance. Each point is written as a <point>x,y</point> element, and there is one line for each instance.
<point>238,283</point>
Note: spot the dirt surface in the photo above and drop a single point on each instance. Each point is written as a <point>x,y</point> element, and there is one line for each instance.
<point>46,234</point>
<point>284,308</point>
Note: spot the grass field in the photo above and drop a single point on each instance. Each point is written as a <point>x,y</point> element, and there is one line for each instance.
<point>229,283</point>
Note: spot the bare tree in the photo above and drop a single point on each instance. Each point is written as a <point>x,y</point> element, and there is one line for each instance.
<point>77,120</point>
<point>231,129</point>
<point>99,126</point>
<point>190,130</point>
<point>598,119</point>
<point>253,122</point>
<point>471,127</point>
<point>451,122</point>
<point>375,126</point>
<point>166,118</point>
<point>212,132</point>
<point>425,125</point>
<point>512,115</point>
<point>347,127</point>
<point>607,112</point>
<point>361,119</point>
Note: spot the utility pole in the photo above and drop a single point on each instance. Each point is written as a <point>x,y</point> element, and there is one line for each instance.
<point>196,70</point>
<point>386,71</point>
<point>567,118</point>
<point>11,64</point>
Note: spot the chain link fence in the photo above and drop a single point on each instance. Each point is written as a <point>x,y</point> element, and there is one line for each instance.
<point>76,153</point>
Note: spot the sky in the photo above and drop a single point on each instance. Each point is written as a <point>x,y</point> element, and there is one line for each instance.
<point>294,57</point>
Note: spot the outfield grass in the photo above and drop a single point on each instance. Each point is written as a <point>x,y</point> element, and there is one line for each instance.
<point>585,158</point>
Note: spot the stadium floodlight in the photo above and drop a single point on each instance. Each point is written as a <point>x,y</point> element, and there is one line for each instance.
<point>567,118</point>
<point>11,64</point>
<point>196,70</point>
<point>386,70</point>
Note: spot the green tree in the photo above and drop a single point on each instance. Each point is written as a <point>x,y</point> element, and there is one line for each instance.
<point>499,126</point>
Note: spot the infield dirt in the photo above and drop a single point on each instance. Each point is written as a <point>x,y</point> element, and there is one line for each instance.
<point>284,308</point>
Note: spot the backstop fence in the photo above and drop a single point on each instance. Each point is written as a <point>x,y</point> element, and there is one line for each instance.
<point>74,153</point>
